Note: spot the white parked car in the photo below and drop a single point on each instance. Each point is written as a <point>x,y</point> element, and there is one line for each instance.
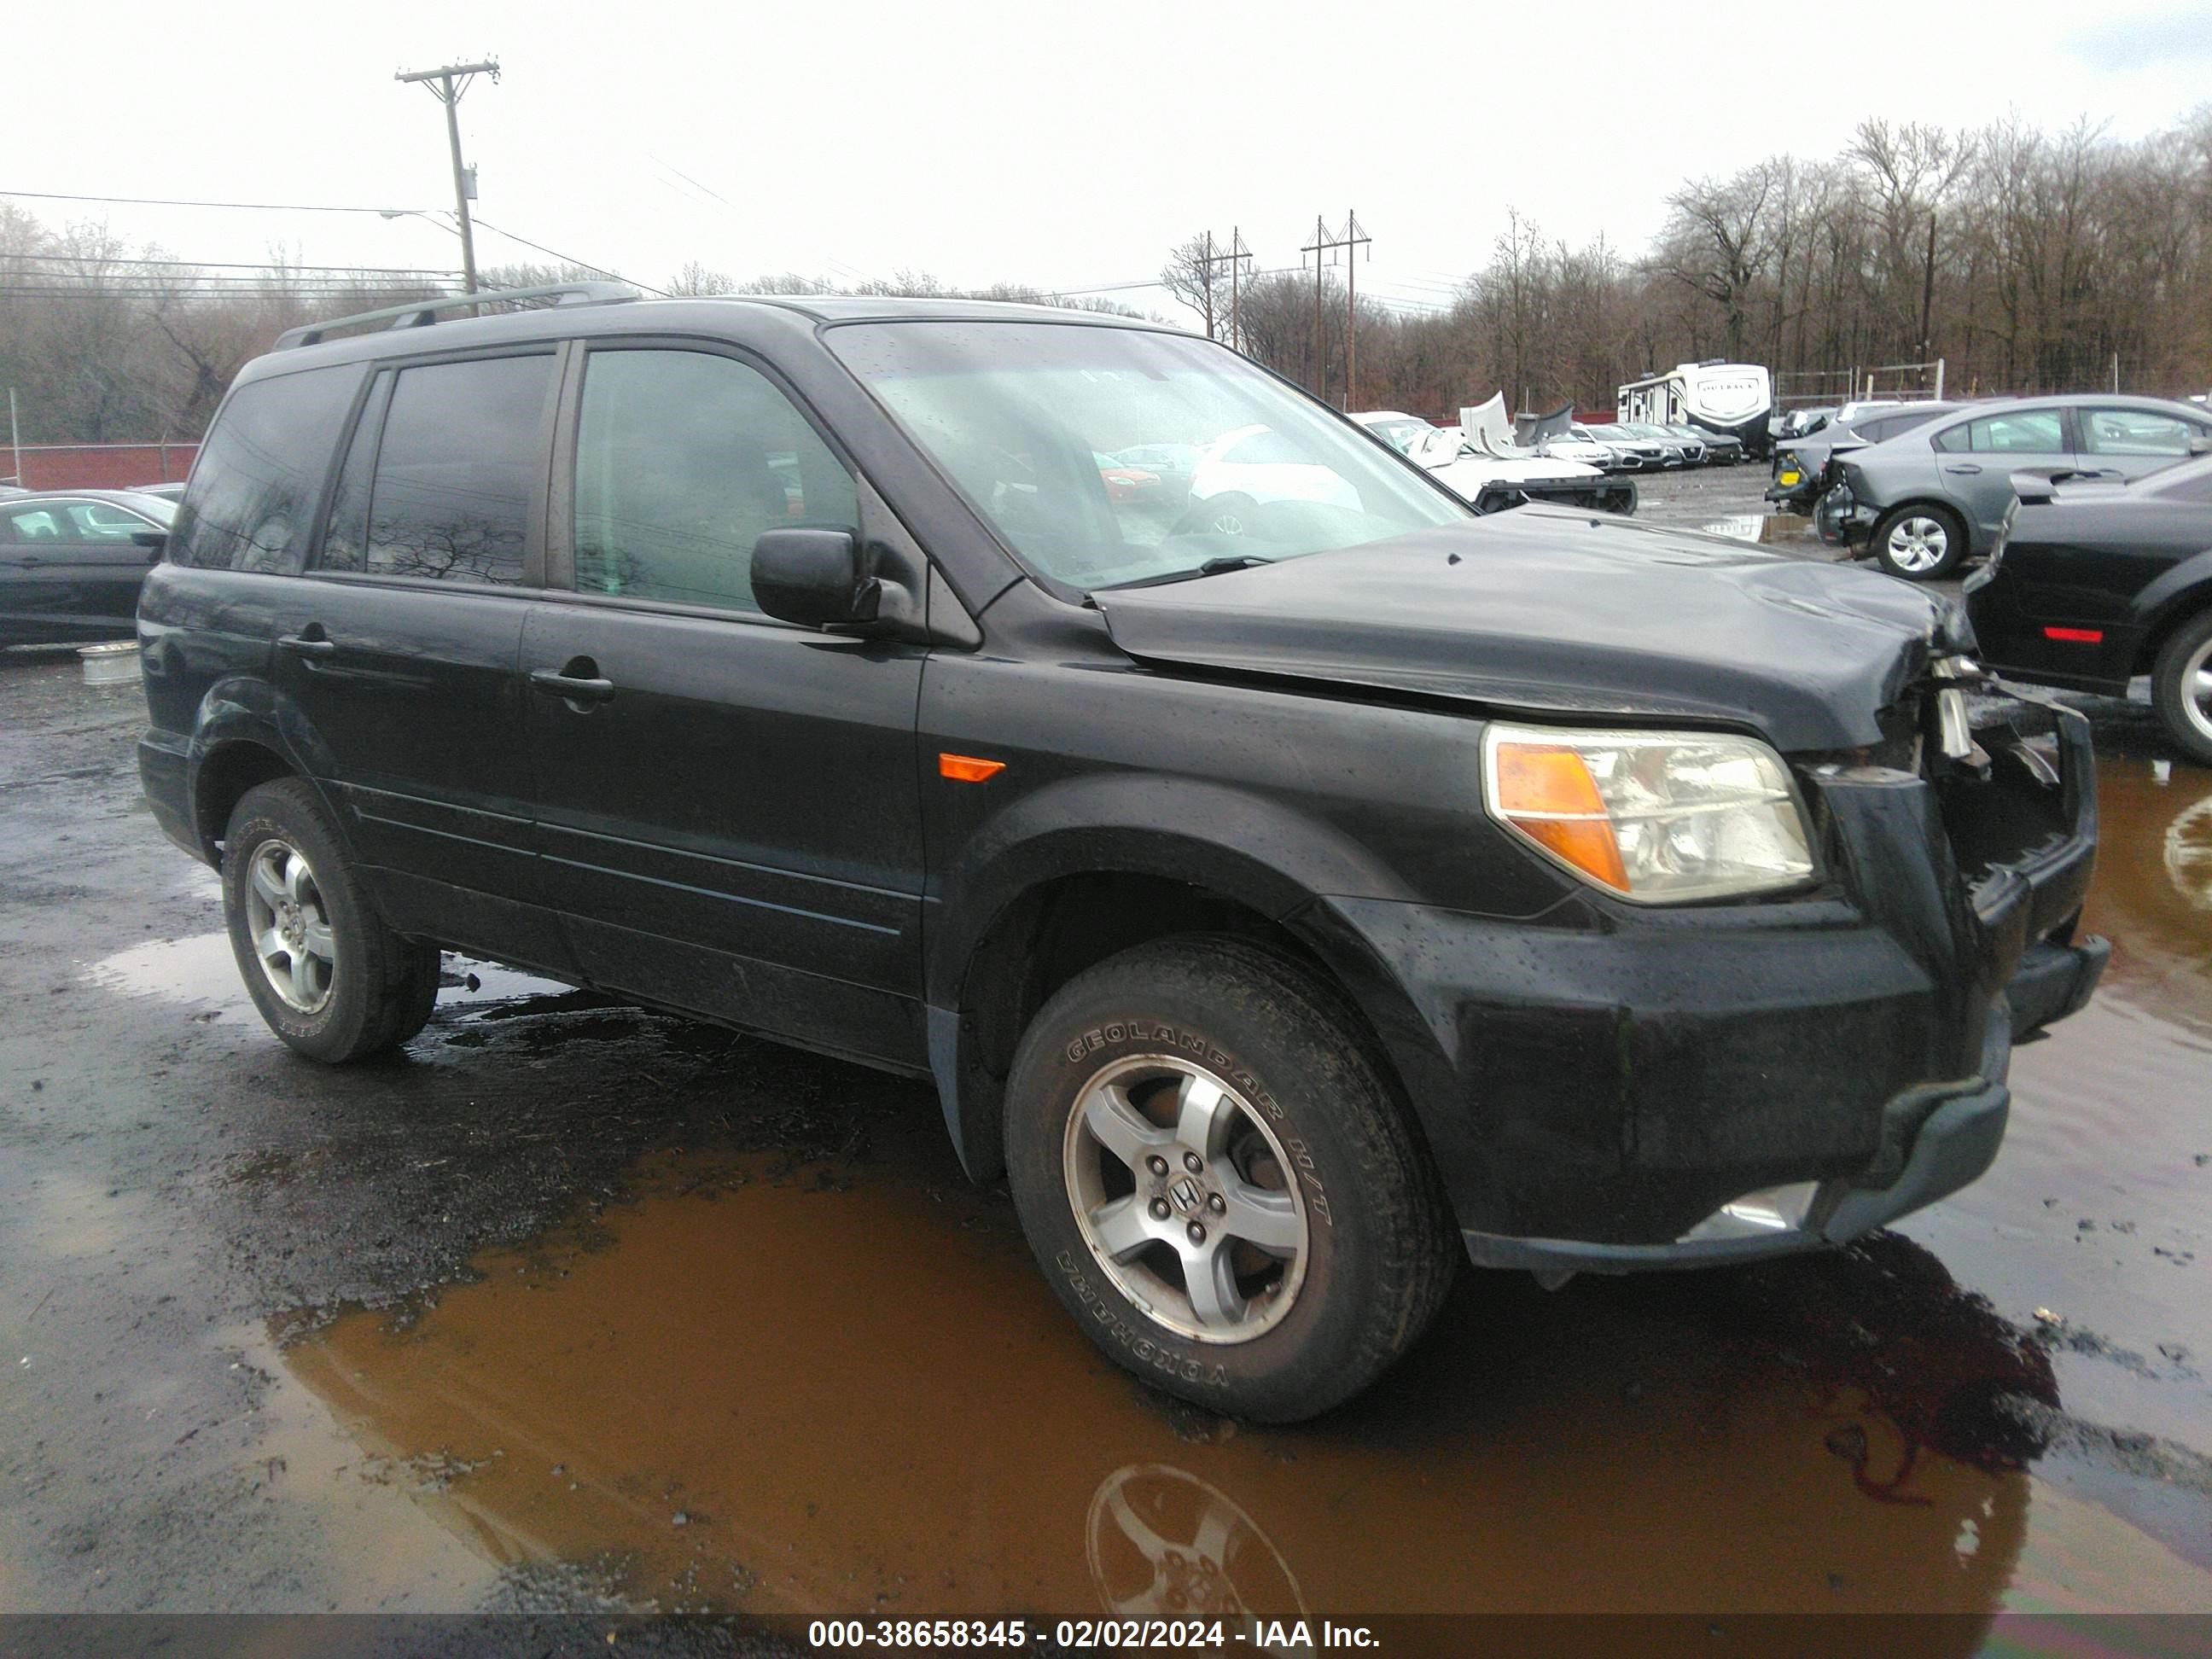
<point>1576,445</point>
<point>1446,452</point>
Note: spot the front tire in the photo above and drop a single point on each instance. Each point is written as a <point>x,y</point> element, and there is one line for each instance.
<point>329,978</point>
<point>2181,688</point>
<point>1219,1183</point>
<point>1919,543</point>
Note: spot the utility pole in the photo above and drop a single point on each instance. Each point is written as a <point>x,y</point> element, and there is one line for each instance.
<point>1207,259</point>
<point>446,84</point>
<point>1237,253</point>
<point>1352,239</point>
<point>1209,284</point>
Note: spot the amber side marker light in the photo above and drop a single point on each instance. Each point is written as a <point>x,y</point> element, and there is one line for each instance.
<point>968,768</point>
<point>1549,795</point>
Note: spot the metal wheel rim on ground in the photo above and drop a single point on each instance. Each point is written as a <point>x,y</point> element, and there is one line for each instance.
<point>290,926</point>
<point>1239,1243</point>
<point>1918,542</point>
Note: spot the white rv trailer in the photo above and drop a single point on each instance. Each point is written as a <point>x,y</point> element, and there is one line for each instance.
<point>1731,397</point>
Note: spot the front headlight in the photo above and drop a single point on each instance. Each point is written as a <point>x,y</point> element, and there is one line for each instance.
<point>1656,816</point>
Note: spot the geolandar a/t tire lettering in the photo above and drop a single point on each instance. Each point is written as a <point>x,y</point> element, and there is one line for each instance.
<point>331,980</point>
<point>1219,1183</point>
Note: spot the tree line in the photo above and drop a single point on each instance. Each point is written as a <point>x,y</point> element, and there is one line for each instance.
<point>2029,260</point>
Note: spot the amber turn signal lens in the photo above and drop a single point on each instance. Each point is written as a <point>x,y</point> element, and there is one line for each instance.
<point>1549,796</point>
<point>968,768</point>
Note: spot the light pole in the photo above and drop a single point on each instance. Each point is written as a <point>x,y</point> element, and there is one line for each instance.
<point>446,84</point>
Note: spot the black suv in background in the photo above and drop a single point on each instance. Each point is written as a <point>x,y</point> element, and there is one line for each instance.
<point>1286,906</point>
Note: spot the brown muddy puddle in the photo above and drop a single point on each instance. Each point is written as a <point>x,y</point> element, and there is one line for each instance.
<point>841,1390</point>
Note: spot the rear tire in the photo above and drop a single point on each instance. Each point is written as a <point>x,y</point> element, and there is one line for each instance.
<point>330,978</point>
<point>1919,543</point>
<point>1290,1241</point>
<point>2181,688</point>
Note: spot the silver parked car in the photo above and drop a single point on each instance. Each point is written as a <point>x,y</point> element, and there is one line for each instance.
<point>1920,504</point>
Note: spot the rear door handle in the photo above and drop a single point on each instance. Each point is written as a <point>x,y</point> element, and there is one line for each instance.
<point>313,644</point>
<point>572,687</point>
<point>29,564</point>
<point>1961,467</point>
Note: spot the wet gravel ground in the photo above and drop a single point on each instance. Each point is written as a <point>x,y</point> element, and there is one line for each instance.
<point>574,1307</point>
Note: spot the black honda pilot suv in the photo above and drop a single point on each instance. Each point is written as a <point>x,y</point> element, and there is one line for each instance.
<point>1290,880</point>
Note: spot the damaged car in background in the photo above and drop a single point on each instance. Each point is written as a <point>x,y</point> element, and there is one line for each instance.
<point>1290,913</point>
<point>2094,579</point>
<point>1803,467</point>
<point>1921,503</point>
<point>1479,462</point>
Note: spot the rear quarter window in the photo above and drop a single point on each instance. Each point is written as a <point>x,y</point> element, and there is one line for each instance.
<point>260,473</point>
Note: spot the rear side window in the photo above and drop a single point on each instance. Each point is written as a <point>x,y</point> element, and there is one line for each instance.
<point>460,458</point>
<point>682,459</point>
<point>255,485</point>
<point>2030,432</point>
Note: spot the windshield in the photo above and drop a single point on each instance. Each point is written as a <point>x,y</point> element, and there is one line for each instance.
<point>1018,415</point>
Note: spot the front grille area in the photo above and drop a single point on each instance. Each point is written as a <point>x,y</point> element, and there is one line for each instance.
<point>2006,804</point>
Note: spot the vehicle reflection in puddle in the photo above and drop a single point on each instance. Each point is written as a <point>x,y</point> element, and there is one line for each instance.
<point>1738,527</point>
<point>843,1389</point>
<point>2153,887</point>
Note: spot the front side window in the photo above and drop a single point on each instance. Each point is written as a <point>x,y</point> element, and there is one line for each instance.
<point>255,484</point>
<point>1013,413</point>
<point>682,459</point>
<point>2134,432</point>
<point>460,457</point>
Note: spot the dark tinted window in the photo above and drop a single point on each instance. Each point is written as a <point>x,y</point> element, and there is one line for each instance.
<point>255,484</point>
<point>460,457</point>
<point>682,459</point>
<point>345,539</point>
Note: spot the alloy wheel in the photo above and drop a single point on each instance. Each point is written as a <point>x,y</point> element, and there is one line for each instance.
<point>289,921</point>
<point>1186,1198</point>
<point>1918,544</point>
<point>2197,689</point>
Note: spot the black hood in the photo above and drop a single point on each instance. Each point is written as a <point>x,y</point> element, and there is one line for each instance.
<point>1552,611</point>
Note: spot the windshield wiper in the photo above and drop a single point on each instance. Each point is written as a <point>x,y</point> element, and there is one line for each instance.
<point>1214,566</point>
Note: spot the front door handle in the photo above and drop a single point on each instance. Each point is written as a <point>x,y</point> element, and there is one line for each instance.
<point>29,562</point>
<point>313,643</point>
<point>576,689</point>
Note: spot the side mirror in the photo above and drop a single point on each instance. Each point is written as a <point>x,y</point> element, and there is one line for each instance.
<point>2200,446</point>
<point>828,579</point>
<point>814,578</point>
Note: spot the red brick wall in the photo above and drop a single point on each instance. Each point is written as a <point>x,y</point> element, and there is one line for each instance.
<point>100,467</point>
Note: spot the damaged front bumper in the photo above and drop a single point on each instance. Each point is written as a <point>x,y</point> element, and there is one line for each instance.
<point>1627,1090</point>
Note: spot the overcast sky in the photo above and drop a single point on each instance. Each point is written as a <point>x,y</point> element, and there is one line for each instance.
<point>1061,146</point>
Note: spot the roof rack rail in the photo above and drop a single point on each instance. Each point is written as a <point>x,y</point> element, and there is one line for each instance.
<point>420,313</point>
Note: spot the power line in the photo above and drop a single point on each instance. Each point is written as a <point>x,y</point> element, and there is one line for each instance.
<point>165,201</point>
<point>571,259</point>
<point>226,264</point>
